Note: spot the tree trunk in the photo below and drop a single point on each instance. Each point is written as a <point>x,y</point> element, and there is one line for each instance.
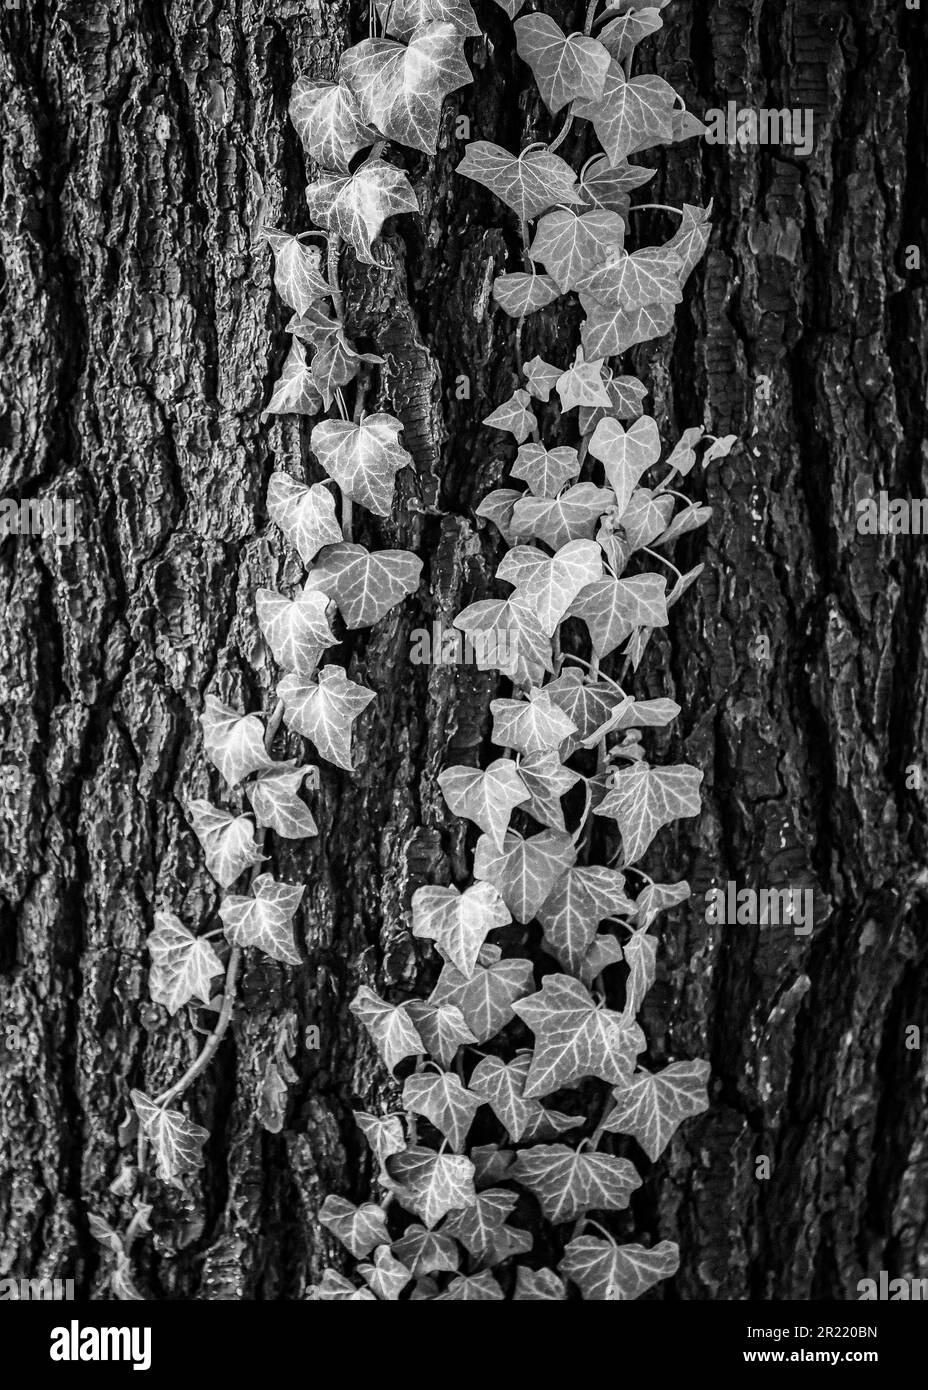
<point>143,147</point>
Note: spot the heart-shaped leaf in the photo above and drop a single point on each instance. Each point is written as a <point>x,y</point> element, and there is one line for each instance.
<point>514,641</point>
<point>583,385</point>
<point>568,1182</point>
<point>613,608</point>
<point>457,922</point>
<point>486,999</point>
<point>401,89</point>
<point>538,1285</point>
<point>608,332</point>
<point>277,806</point>
<point>630,115</point>
<point>631,282</point>
<point>606,185</point>
<point>604,1271</point>
<point>502,1085</point>
<point>444,1101</point>
<point>574,1038</point>
<point>355,206</point>
<point>524,871</point>
<point>182,965</point>
<point>404,18</point>
<point>521,294</point>
<point>472,1288</point>
<point>487,798</point>
<point>625,403</point>
<point>546,470</point>
<point>297,276</point>
<point>571,516</point>
<point>589,704</point>
<point>529,183</point>
<point>565,67</point>
<point>329,122</point>
<point>514,416</point>
<point>623,35</point>
<point>335,364</point>
<point>441,1027</point>
<point>550,586</point>
<point>644,799</point>
<point>646,517</point>
<point>655,897</point>
<point>625,454</point>
<point>480,1225</point>
<point>391,1028</point>
<point>359,1229</point>
<point>234,743</point>
<point>264,920</point>
<point>534,725</point>
<point>365,586</point>
<point>652,1107</point>
<point>571,245</point>
<point>386,1276</point>
<point>426,1252</point>
<point>546,781</point>
<point>296,631</point>
<point>325,711</point>
<point>362,459</point>
<point>228,841</point>
<point>540,379</point>
<point>431,1184</point>
<point>306,515</point>
<point>581,899</point>
<point>176,1142</point>
<point>384,1134</point>
<point>295,392</point>
<point>497,507</point>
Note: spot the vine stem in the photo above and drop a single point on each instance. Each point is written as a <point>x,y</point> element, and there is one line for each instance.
<point>655,207</point>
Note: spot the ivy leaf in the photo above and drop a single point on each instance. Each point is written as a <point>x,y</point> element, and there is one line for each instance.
<point>607,185</point>
<point>501,1086</point>
<point>520,294</point>
<point>264,920</point>
<point>297,278</point>
<point>613,608</point>
<point>336,363</point>
<point>625,454</point>
<point>234,743</point>
<point>690,239</point>
<point>325,711</point>
<point>720,448</point>
<point>689,519</point>
<point>486,999</point>
<point>441,1027</point>
<point>431,1184</point>
<point>182,965</point>
<point>458,923</point>
<point>335,1288</point>
<point>686,126</point>
<point>295,392</point>
<point>401,89</point>
<point>277,807</point>
<point>683,455</point>
<point>568,1182</point>
<point>547,781</point>
<point>623,35</point>
<point>603,952</point>
<point>546,470</point>
<point>314,326</point>
<point>625,393</point>
<point>540,378</point>
<point>656,897</point>
<point>638,714</point>
<point>497,507</point>
<point>570,245</point>
<point>490,1164</point>
<point>519,645</point>
<point>635,281</point>
<point>359,1229</point>
<point>646,517</point>
<point>583,385</point>
<point>588,703</point>
<point>472,1288</point>
<point>644,799</point>
<point>565,68</point>
<point>386,1276</point>
<point>426,1252</point>
<point>403,18</point>
<point>384,1134</point>
<point>176,1142</point>
<point>355,206</point>
<point>580,899</point>
<point>529,183</point>
<point>630,115</point>
<point>534,725</point>
<point>365,586</point>
<point>512,7</point>
<point>487,798</point>
<point>329,122</point>
<point>538,1285</point>
<point>444,1101</point>
<point>652,1107</point>
<point>605,1271</point>
<point>391,1029</point>
<point>514,416</point>
<point>525,870</point>
<point>228,841</point>
<point>608,332</point>
<point>571,516</point>
<point>296,631</point>
<point>362,459</point>
<point>574,1038</point>
<point>306,515</point>
<point>480,1225</point>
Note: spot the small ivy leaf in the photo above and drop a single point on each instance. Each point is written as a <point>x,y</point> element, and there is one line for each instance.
<point>720,448</point>
<point>472,1288</point>
<point>391,1029</point>
<point>581,899</point>
<point>535,725</point>
<point>329,122</point>
<point>637,714</point>
<point>479,1226</point>
<point>501,1086</point>
<point>583,385</point>
<point>297,278</point>
<point>603,952</point>
<point>686,126</point>
<point>401,89</point>
<point>608,332</point>
<point>362,459</point>
<point>359,1229</point>
<point>486,999</point>
<point>444,1101</point>
<point>565,67</point>
<point>574,1038</point>
<point>441,1027</point>
<point>386,1276</point>
<point>605,185</point>
<point>682,584</point>
<point>234,743</point>
<point>487,798</point>
<point>525,871</point>
<point>626,395</point>
<point>655,897</point>
<point>625,454</point>
<point>365,586</point>
<point>613,608</point>
<point>646,517</point>
<point>490,1164</point>
<point>641,958</point>
<point>652,1107</point>
<point>104,1234</point>
<point>571,516</point>
<point>305,515</point>
<point>538,1285</point>
<point>520,294</point>
<point>177,1143</point>
<point>296,631</point>
<point>497,507</point>
<point>228,841</point>
<point>644,799</point>
<point>264,920</point>
<point>691,238</point>
<point>512,7</point>
<point>632,282</point>
<point>570,245</point>
<point>516,644</point>
<point>335,364</point>
<point>546,470</point>
<point>540,378</point>
<point>689,519</point>
<point>182,965</point>
<point>404,18</point>
<point>630,115</point>
<point>295,392</point>
<point>458,923</point>
<point>277,806</point>
<point>384,1134</point>
<point>514,416</point>
<point>355,206</point>
<point>335,1288</point>
<point>431,1184</point>
<point>426,1252</point>
<point>568,1183</point>
<point>623,35</point>
<point>547,781</point>
<point>314,326</point>
<point>683,455</point>
<point>604,1271</point>
<point>529,183</point>
<point>325,711</point>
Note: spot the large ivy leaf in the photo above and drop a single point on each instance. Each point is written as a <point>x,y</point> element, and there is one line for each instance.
<point>364,585</point>
<point>426,1252</point>
<point>625,454</point>
<point>355,206</point>
<point>570,245</point>
<point>362,459</point>
<point>486,999</point>
<point>458,923</point>
<point>613,608</point>
<point>630,116</point>
<point>234,743</point>
<point>549,586</point>
<point>176,1142</point>
<point>431,1184</point>
<point>359,1229</point>
<point>401,89</point>
<point>329,122</point>
<point>441,1027</point>
<point>515,642</point>
<point>574,1038</point>
<point>384,1134</point>
<point>580,899</point>
<point>546,781</point>
<point>546,470</point>
<point>525,870</point>
<point>277,806</point>
<point>487,798</point>
<point>387,1276</point>
<point>571,516</point>
<point>568,1182</point>
<point>631,282</point>
<point>479,1226</point>
<point>306,515</point>
<point>444,1101</point>
<point>529,183</point>
<point>325,710</point>
<point>404,18</point>
<point>565,67</point>
<point>297,277</point>
<point>534,725</point>
<point>228,841</point>
<point>392,1030</point>
<point>604,1271</point>
<point>610,331</point>
<point>264,920</point>
<point>182,965</point>
<point>502,1085</point>
<point>521,294</point>
<point>537,1285</point>
<point>644,799</point>
<point>297,631</point>
<point>623,35</point>
<point>472,1288</point>
<point>295,392</point>
<point>651,1107</point>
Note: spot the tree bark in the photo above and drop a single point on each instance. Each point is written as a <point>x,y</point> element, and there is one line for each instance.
<point>143,147</point>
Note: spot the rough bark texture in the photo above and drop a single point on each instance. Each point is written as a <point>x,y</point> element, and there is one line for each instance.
<point>142,145</point>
